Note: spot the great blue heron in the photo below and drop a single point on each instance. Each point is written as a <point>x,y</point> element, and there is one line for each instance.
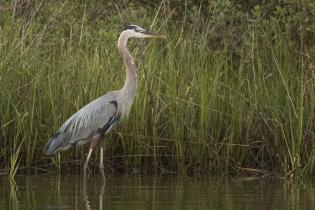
<point>96,119</point>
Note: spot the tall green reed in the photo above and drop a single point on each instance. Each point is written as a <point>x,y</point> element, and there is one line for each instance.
<point>211,98</point>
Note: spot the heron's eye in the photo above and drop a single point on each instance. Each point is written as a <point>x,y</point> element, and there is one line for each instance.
<point>137,30</point>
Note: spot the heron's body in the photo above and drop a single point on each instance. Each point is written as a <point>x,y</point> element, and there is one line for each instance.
<point>96,119</point>
<point>101,112</point>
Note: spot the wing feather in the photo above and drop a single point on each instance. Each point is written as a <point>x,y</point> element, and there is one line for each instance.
<point>84,123</point>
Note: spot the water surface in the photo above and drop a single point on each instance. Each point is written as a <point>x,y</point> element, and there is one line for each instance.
<point>144,192</point>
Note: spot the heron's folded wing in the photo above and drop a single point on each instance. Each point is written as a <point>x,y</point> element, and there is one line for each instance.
<point>90,119</point>
<point>99,115</point>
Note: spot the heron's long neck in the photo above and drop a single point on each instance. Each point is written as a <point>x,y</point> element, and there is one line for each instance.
<point>130,85</point>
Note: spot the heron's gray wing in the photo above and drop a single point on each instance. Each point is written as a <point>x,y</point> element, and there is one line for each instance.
<point>98,116</point>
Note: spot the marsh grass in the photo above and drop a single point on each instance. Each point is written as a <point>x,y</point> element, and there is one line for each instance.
<point>212,98</point>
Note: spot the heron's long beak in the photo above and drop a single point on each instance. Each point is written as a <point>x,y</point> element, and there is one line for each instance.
<point>153,34</point>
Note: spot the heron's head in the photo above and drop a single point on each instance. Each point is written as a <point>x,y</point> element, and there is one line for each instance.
<point>137,31</point>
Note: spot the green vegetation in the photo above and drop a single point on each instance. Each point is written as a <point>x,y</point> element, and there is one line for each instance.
<point>231,90</point>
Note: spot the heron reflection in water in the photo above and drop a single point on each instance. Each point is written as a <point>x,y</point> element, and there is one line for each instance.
<point>86,196</point>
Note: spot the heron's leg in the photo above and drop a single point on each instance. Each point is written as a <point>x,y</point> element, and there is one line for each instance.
<point>93,141</point>
<point>87,161</point>
<point>102,159</point>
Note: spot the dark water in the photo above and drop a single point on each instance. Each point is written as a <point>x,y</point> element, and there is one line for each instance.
<point>141,192</point>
